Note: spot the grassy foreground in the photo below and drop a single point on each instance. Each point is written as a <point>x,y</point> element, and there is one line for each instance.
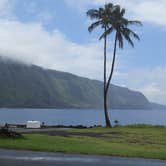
<point>131,141</point>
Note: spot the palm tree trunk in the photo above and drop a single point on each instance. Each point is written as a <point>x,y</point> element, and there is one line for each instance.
<point>107,120</point>
<point>112,67</point>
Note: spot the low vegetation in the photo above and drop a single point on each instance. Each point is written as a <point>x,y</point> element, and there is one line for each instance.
<point>129,141</point>
<point>6,133</point>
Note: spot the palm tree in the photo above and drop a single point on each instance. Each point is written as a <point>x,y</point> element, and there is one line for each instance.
<point>120,25</point>
<point>111,18</point>
<point>102,18</point>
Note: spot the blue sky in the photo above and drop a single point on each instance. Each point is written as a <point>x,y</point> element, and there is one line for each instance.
<point>53,34</point>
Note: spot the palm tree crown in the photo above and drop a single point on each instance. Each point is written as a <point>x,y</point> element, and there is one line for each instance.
<point>120,25</point>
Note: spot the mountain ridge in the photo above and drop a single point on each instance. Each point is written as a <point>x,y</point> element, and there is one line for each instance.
<point>31,86</point>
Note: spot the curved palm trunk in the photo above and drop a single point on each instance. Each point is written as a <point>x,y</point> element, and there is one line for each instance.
<point>112,67</point>
<point>107,120</point>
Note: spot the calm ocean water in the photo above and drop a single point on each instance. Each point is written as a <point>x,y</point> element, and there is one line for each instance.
<point>85,117</point>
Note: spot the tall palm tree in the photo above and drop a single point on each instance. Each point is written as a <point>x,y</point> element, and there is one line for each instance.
<point>111,18</point>
<point>102,18</point>
<point>120,25</point>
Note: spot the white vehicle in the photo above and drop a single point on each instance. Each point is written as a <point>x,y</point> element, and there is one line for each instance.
<point>33,124</point>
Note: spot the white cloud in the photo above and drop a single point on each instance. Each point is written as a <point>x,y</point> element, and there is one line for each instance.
<point>31,43</point>
<point>152,11</point>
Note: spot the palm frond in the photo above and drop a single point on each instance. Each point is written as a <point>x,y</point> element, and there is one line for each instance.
<point>129,41</point>
<point>123,11</point>
<point>117,8</point>
<point>107,32</point>
<point>134,22</point>
<point>94,25</point>
<point>120,40</point>
<point>93,14</point>
<point>109,7</point>
<point>126,35</point>
<point>131,33</point>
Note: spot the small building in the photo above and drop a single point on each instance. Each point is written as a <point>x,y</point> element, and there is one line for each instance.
<point>33,124</point>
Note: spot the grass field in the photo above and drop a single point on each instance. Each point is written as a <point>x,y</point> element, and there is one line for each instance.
<point>130,141</point>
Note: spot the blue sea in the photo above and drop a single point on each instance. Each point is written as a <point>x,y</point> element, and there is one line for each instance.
<point>86,117</point>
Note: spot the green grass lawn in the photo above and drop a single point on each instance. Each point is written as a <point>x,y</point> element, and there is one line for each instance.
<point>130,141</point>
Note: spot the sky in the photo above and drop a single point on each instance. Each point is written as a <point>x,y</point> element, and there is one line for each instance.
<point>53,34</point>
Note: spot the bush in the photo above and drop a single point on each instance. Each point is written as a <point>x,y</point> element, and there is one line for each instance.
<point>5,132</point>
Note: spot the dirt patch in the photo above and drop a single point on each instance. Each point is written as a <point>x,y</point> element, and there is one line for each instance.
<point>68,134</point>
<point>81,134</point>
